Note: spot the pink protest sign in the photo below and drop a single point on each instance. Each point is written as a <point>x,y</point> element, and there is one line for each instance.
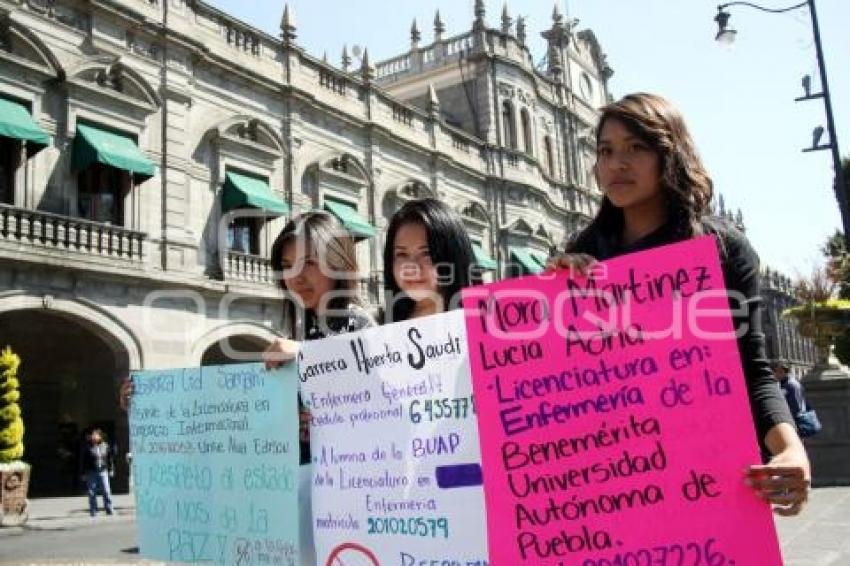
<point>613,415</point>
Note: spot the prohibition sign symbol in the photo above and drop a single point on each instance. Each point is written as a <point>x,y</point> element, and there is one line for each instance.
<point>352,554</point>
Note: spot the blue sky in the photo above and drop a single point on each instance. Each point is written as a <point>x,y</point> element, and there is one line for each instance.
<point>739,102</point>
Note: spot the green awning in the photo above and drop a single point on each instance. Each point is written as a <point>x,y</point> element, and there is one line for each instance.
<point>16,122</point>
<point>242,191</point>
<point>351,220</point>
<point>524,258</point>
<point>539,257</point>
<point>482,259</point>
<point>94,145</point>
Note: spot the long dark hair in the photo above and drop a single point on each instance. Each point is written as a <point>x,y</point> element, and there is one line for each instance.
<point>450,249</point>
<point>323,235</point>
<point>684,180</point>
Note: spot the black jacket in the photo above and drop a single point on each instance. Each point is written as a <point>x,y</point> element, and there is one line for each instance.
<point>740,265</point>
<point>96,457</point>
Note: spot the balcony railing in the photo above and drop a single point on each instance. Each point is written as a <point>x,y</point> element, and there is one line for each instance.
<point>440,52</point>
<point>64,233</point>
<point>247,267</point>
<point>400,64</point>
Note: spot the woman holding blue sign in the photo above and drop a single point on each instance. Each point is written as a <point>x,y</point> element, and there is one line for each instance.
<point>657,192</point>
<point>428,259</point>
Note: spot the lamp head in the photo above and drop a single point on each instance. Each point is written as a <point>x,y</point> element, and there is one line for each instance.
<point>725,33</point>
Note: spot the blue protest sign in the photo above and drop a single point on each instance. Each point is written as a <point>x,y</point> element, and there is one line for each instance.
<point>215,464</point>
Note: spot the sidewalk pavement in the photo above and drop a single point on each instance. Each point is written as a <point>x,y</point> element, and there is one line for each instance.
<point>62,513</point>
<point>820,536</point>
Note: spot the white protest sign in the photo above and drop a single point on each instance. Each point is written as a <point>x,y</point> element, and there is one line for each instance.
<point>394,442</point>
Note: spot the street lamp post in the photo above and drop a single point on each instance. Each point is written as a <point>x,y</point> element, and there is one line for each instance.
<point>726,34</point>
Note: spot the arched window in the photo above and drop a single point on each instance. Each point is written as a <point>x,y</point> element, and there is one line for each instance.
<point>249,202</point>
<point>548,156</point>
<point>19,142</point>
<point>10,153</point>
<point>508,125</point>
<point>526,131</point>
<point>108,164</point>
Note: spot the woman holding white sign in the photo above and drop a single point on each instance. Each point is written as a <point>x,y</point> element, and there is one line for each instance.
<point>428,259</point>
<point>317,264</point>
<point>656,192</point>
<point>316,261</point>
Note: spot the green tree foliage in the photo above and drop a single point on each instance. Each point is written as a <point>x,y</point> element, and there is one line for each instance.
<point>838,263</point>
<point>838,269</point>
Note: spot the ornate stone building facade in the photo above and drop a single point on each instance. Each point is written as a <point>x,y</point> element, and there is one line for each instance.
<point>152,149</point>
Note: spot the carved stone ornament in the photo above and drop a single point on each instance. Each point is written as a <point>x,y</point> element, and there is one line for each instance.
<point>520,226</point>
<point>524,97</point>
<point>248,131</point>
<point>474,211</point>
<point>412,190</point>
<point>506,90</point>
<point>339,164</point>
<point>110,77</point>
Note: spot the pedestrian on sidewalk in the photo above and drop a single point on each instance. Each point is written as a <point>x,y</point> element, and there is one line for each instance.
<point>791,387</point>
<point>96,468</point>
<point>805,418</point>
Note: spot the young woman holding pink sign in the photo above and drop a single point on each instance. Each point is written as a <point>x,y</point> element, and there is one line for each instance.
<point>657,192</point>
